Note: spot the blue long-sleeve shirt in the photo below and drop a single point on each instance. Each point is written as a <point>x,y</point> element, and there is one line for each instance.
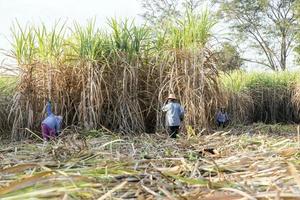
<point>222,117</point>
<point>174,113</point>
<point>52,121</point>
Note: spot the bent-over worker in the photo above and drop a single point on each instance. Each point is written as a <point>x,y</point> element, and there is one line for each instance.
<point>51,124</point>
<point>174,115</point>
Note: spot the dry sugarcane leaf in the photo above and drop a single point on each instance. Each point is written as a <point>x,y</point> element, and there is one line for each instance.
<point>18,168</point>
<point>150,191</point>
<point>167,193</point>
<point>288,152</point>
<point>43,193</point>
<point>26,182</point>
<point>221,196</point>
<point>110,192</point>
<point>294,172</point>
<point>244,194</point>
<point>172,170</point>
<point>273,195</point>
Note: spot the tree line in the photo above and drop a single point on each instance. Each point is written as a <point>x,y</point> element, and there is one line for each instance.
<point>268,28</point>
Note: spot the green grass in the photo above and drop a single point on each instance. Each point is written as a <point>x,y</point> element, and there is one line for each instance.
<point>7,85</point>
<point>267,97</point>
<point>238,81</point>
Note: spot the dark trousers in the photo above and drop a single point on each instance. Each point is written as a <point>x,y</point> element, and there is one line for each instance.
<point>173,131</point>
<point>222,124</point>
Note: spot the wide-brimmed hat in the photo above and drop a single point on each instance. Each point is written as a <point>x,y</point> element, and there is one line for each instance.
<point>171,96</point>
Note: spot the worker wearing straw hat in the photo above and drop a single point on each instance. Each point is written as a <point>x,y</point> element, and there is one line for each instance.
<point>174,115</point>
<point>51,124</point>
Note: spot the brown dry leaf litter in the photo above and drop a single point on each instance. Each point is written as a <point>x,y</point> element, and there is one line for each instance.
<point>219,166</point>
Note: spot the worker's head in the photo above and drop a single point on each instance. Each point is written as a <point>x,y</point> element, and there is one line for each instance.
<point>171,97</point>
<point>222,109</point>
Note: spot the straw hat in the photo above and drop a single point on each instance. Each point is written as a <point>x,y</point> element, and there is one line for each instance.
<point>171,96</point>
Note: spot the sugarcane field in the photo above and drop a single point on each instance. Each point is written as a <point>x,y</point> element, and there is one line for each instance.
<point>150,99</point>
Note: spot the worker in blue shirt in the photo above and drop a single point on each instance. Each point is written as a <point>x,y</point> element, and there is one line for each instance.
<point>51,124</point>
<point>222,118</point>
<point>174,115</point>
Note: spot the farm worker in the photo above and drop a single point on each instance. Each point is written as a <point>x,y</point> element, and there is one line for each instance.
<point>174,115</point>
<point>222,117</point>
<point>51,124</point>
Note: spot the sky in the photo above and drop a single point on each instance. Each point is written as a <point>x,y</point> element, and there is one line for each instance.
<point>50,11</point>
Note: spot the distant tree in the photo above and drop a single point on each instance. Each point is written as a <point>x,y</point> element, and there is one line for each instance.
<point>297,48</point>
<point>228,58</point>
<point>269,26</point>
<point>157,12</point>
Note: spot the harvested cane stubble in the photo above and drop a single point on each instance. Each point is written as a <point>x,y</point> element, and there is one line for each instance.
<point>110,166</point>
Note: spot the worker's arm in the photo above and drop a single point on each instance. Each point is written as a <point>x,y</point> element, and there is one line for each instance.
<point>181,113</point>
<point>49,112</point>
<point>217,116</point>
<point>227,117</point>
<point>58,120</point>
